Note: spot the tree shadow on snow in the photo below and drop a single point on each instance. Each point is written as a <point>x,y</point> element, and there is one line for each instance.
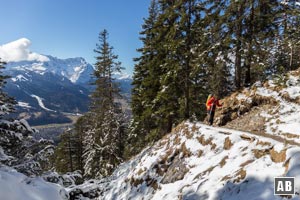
<point>250,188</point>
<point>191,195</point>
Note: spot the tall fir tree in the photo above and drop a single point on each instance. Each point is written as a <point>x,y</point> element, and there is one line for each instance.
<point>145,84</point>
<point>103,142</point>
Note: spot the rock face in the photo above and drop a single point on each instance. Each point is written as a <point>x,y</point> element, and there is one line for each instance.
<point>269,108</point>
<point>235,108</point>
<point>175,171</point>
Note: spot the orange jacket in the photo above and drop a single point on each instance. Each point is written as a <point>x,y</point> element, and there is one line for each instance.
<point>211,102</point>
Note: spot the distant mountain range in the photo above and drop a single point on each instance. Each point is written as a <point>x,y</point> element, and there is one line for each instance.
<point>47,91</point>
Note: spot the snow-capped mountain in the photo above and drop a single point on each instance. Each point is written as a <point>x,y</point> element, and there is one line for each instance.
<point>46,86</point>
<point>77,70</point>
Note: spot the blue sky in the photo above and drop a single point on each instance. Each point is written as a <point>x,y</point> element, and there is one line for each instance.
<point>70,28</point>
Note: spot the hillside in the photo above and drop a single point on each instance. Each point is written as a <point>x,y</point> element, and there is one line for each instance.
<point>197,161</point>
<point>271,108</point>
<point>259,140</point>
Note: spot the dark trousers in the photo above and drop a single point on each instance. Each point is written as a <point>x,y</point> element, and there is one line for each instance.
<point>211,117</point>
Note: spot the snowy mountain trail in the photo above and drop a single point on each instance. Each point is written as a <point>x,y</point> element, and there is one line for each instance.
<point>197,161</point>
<point>247,134</point>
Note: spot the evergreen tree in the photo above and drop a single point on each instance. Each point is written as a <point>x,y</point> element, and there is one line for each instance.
<point>68,157</point>
<point>145,84</point>
<point>195,47</point>
<point>102,146</point>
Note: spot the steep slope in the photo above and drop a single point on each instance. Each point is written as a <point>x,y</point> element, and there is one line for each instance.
<point>197,161</point>
<point>271,108</point>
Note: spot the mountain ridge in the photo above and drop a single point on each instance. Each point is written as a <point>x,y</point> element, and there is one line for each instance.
<point>47,89</point>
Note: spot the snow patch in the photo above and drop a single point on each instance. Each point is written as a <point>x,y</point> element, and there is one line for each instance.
<point>24,104</point>
<point>38,67</point>
<point>40,102</point>
<point>19,78</point>
<point>278,147</point>
<point>77,72</point>
<point>14,185</point>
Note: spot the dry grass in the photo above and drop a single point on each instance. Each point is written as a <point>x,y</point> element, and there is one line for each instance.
<point>200,153</point>
<point>136,182</point>
<point>207,171</point>
<point>185,151</point>
<point>152,182</point>
<point>140,171</point>
<point>246,163</point>
<point>188,133</point>
<point>262,143</point>
<point>213,146</point>
<point>247,137</point>
<point>290,135</point>
<point>226,178</point>
<point>244,149</point>
<point>177,140</point>
<point>278,156</point>
<point>204,142</point>
<point>258,153</point>
<point>240,175</point>
<point>223,161</point>
<point>287,164</point>
<point>194,128</point>
<point>227,144</point>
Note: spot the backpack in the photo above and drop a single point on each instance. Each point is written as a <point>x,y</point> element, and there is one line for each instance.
<point>208,99</point>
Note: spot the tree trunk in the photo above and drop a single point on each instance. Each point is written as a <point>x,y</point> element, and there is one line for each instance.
<point>249,53</point>
<point>187,71</point>
<point>238,63</point>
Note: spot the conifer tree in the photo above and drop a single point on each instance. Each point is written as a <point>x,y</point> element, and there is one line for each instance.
<point>68,154</point>
<point>102,145</point>
<point>195,47</point>
<point>145,84</point>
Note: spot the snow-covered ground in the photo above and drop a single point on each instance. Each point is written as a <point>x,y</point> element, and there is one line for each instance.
<point>197,161</point>
<point>23,104</point>
<point>17,186</point>
<point>284,119</point>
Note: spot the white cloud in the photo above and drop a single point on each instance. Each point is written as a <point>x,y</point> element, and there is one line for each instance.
<point>19,51</point>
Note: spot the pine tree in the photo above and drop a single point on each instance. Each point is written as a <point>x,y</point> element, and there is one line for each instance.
<point>145,84</point>
<point>102,145</point>
<point>67,155</point>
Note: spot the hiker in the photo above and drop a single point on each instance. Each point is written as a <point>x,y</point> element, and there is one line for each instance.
<point>211,104</point>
